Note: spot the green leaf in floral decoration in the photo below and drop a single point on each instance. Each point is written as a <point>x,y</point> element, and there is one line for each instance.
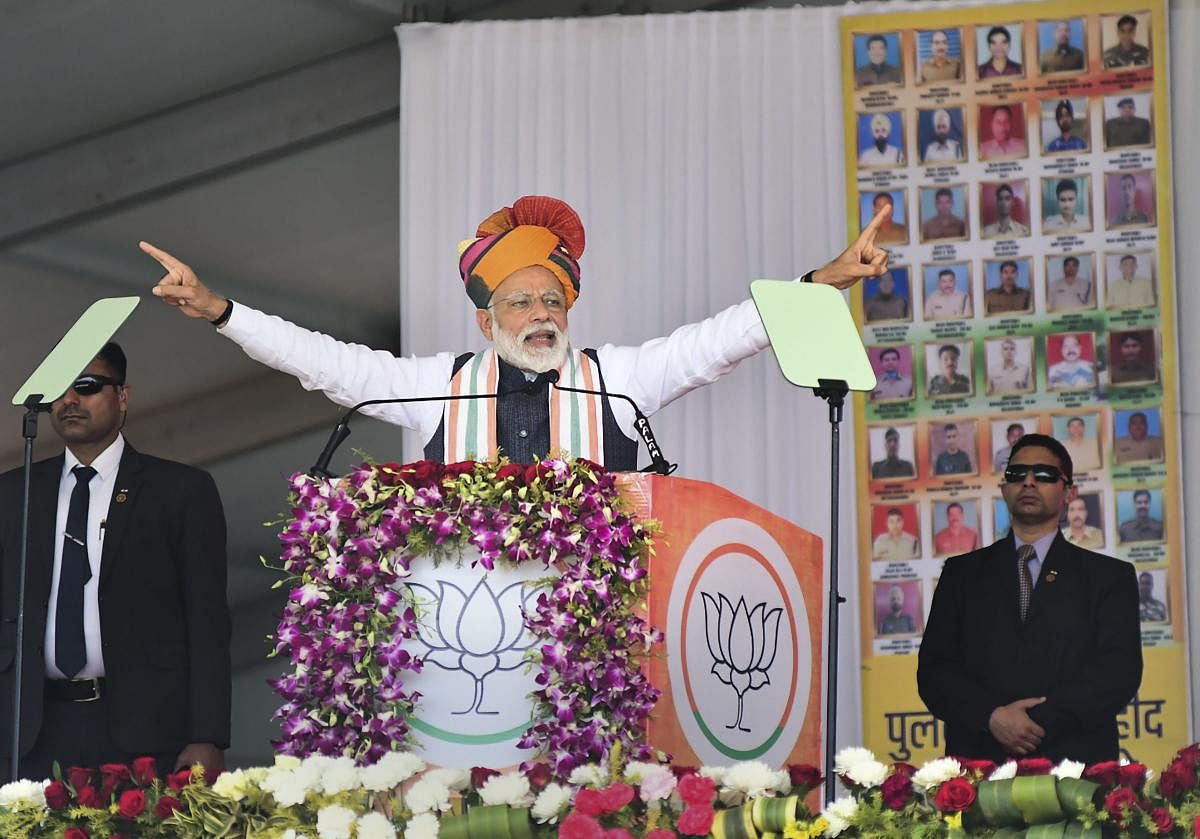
<point>1075,830</point>
<point>1054,830</point>
<point>1074,794</point>
<point>772,815</point>
<point>1008,832</point>
<point>493,821</point>
<point>735,823</point>
<point>1036,796</point>
<point>996,803</point>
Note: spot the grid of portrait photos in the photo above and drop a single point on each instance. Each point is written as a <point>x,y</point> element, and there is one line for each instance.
<point>1018,164</point>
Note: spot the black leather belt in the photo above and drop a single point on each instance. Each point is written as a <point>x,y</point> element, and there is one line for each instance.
<point>75,690</point>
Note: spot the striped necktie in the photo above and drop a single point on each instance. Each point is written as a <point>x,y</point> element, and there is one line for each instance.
<point>1025,555</point>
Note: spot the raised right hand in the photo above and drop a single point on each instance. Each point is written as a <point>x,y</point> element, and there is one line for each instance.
<point>181,287</point>
<point>1013,728</point>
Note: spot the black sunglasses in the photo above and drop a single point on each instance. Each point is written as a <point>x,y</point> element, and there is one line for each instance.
<point>90,385</point>
<point>1043,473</point>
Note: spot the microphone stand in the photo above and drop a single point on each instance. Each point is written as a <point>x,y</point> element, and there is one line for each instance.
<point>834,392</point>
<point>29,424</point>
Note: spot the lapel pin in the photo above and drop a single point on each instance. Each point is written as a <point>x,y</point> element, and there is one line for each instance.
<point>122,496</point>
<point>1051,576</point>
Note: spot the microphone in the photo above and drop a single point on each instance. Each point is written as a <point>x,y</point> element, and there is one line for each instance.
<point>658,463</point>
<point>341,431</point>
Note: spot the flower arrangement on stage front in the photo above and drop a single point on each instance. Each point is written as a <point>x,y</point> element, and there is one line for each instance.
<point>349,547</point>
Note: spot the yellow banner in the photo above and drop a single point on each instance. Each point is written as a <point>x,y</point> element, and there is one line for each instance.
<point>1024,151</point>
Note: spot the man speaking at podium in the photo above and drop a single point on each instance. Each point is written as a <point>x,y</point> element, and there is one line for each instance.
<point>1033,645</point>
<point>522,273</point>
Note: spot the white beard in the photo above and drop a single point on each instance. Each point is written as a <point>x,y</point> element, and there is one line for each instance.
<point>514,350</point>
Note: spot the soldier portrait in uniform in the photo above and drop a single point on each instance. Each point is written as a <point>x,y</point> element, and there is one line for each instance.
<point>1066,204</point>
<point>893,452</point>
<point>1129,198</point>
<point>1070,282</point>
<point>1006,431</point>
<point>948,369</point>
<point>877,60</point>
<point>939,56</point>
<point>1138,436</point>
<point>1004,209</point>
<point>1065,126</point>
<point>940,136</point>
<point>1153,596</point>
<point>948,291</point>
<point>1061,46</point>
<point>893,366</point>
<point>1071,361</point>
<point>955,526</point>
<point>1140,516</point>
<point>943,213</point>
<point>1007,289</point>
<point>1002,131</point>
<point>894,230</point>
<point>1129,279</point>
<point>1082,523</point>
<point>998,49</point>
<point>1009,362</point>
<point>1128,122</point>
<point>1125,40</point>
<point>888,297</point>
<point>895,532</point>
<point>1132,356</point>
<point>898,608</point>
<point>880,139</point>
<point>953,447</point>
<point>1079,432</point>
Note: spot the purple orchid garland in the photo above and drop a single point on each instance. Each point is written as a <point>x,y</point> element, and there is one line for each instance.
<point>349,545</point>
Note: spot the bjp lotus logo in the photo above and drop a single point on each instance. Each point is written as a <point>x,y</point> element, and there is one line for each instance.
<point>479,633</point>
<point>742,643</point>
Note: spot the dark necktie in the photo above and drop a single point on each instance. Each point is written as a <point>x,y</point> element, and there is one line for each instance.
<point>70,652</point>
<point>1025,555</point>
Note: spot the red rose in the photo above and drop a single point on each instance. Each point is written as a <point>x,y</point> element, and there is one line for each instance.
<point>955,796</point>
<point>113,775</point>
<point>1196,827</point>
<point>1190,755</point>
<point>480,775</point>
<point>89,796</point>
<point>696,821</point>
<point>79,776</point>
<point>804,775</point>
<point>536,470</point>
<point>1034,766</point>
<point>1105,774</point>
<point>76,833</point>
<point>618,833</point>
<point>178,780</point>
<point>594,467</point>
<point>897,791</point>
<point>1119,803</point>
<point>510,471</point>
<point>1162,820</point>
<point>905,769</point>
<point>463,467</point>
<point>1176,779</point>
<point>579,826</point>
<point>979,768</point>
<point>1132,775</point>
<point>145,770</point>
<point>425,472</point>
<point>131,804</point>
<point>57,795</point>
<point>660,833</point>
<point>538,775</point>
<point>588,802</point>
<point>614,797</point>
<point>166,806</point>
<point>696,789</point>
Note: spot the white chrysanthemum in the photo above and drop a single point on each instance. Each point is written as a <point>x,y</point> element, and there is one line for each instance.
<point>423,826</point>
<point>717,773</point>
<point>455,779</point>
<point>752,778</point>
<point>393,769</point>
<point>588,776</point>
<point>335,822</point>
<point>936,772</point>
<point>1068,769</point>
<point>291,834</point>
<point>1004,771</point>
<point>287,787</point>
<point>427,795</point>
<point>375,826</point>
<point>869,773</point>
<point>783,782</point>
<point>848,757</point>
<point>287,761</point>
<point>839,814</point>
<point>339,776</point>
<point>511,788</point>
<point>551,803</point>
<point>23,792</point>
<point>232,785</point>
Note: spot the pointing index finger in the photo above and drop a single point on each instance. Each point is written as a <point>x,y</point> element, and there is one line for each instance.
<point>873,227</point>
<point>164,259</point>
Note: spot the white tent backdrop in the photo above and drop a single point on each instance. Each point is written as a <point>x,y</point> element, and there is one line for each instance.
<point>702,151</point>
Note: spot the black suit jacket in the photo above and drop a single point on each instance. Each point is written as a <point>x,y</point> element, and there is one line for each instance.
<point>1080,647</point>
<point>164,620</point>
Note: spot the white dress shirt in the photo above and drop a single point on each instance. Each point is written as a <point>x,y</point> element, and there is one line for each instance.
<point>101,490</point>
<point>1042,547</point>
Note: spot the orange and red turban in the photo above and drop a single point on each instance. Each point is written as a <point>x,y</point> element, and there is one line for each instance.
<point>535,230</point>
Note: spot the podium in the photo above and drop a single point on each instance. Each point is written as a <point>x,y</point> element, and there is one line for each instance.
<point>738,593</point>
